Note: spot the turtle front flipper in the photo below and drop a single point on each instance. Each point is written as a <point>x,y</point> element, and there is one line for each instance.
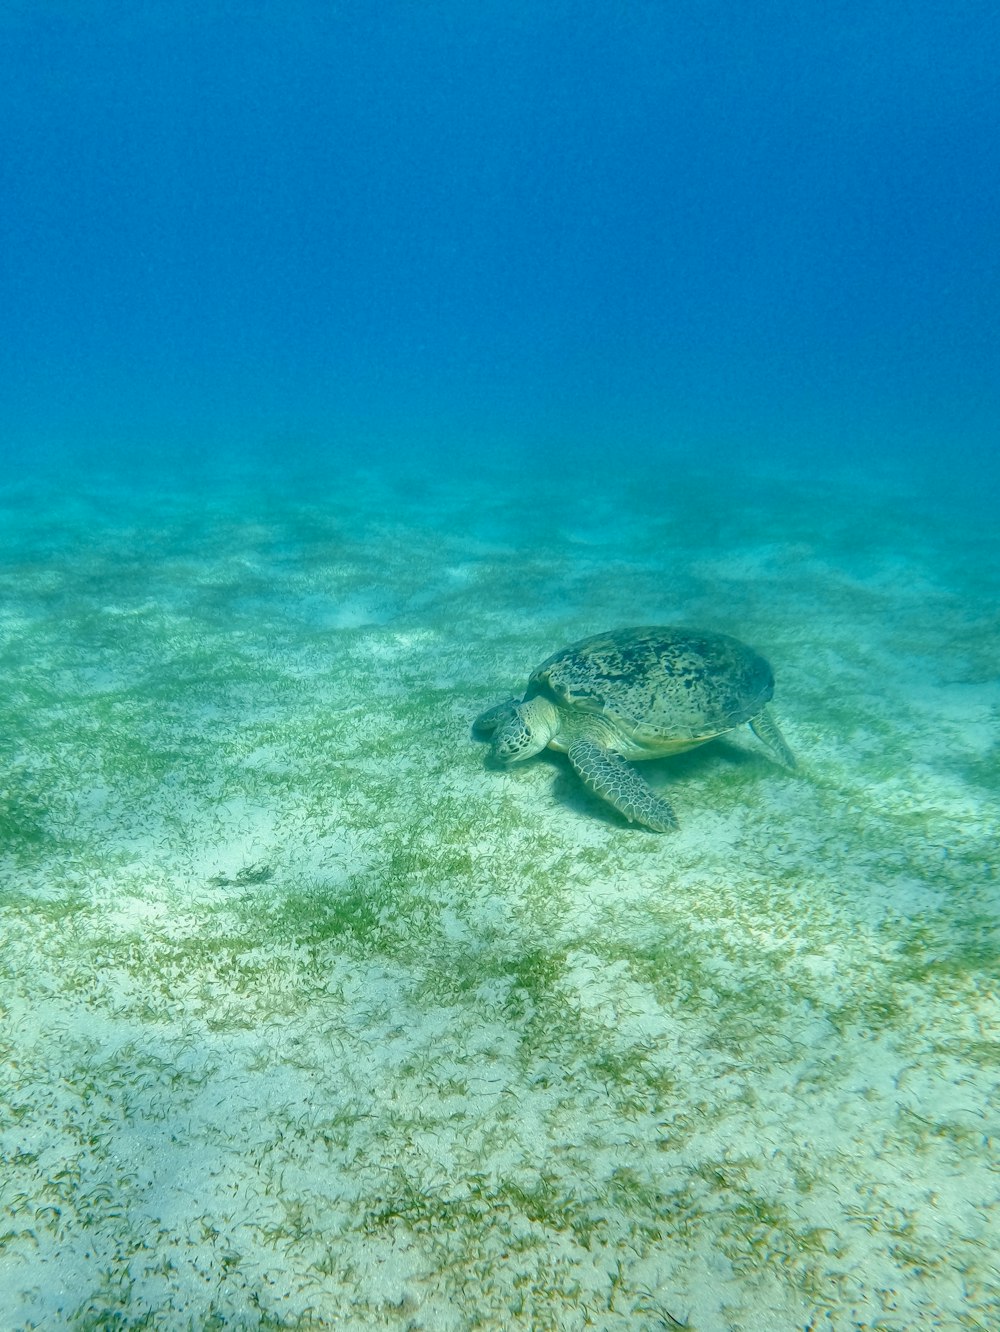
<point>767,731</point>
<point>610,777</point>
<point>487,722</point>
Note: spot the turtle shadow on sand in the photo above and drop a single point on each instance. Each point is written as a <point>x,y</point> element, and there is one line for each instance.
<point>642,693</point>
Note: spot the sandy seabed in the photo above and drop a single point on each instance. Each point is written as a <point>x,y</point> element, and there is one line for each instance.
<point>312,1019</point>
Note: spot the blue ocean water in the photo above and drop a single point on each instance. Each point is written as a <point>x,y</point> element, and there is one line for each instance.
<point>354,358</point>
<point>508,225</point>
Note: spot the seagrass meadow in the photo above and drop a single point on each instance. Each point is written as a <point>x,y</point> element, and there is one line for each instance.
<point>312,1019</point>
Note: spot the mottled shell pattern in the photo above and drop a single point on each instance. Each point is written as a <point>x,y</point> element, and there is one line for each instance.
<point>661,687</point>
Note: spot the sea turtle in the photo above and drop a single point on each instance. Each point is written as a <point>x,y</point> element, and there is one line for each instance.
<point>636,694</point>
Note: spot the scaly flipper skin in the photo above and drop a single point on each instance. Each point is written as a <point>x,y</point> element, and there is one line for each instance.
<point>617,782</point>
<point>487,722</point>
<point>766,729</point>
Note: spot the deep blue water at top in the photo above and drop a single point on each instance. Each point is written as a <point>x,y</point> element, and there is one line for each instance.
<point>495,227</point>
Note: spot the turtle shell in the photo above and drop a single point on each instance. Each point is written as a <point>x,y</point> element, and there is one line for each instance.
<point>659,685</point>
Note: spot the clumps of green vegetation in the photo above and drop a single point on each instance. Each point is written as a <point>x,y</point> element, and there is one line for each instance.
<point>248,876</point>
<point>529,1231</point>
<point>427,1009</point>
<point>23,832</point>
<point>355,916</point>
<point>949,946</point>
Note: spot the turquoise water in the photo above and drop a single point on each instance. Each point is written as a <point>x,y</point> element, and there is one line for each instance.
<point>354,361</point>
<point>313,1019</point>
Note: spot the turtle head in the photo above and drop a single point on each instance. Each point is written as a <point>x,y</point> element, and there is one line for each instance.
<point>528,729</point>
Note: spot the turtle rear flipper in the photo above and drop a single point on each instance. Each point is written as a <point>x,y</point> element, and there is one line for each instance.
<point>617,782</point>
<point>767,731</point>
